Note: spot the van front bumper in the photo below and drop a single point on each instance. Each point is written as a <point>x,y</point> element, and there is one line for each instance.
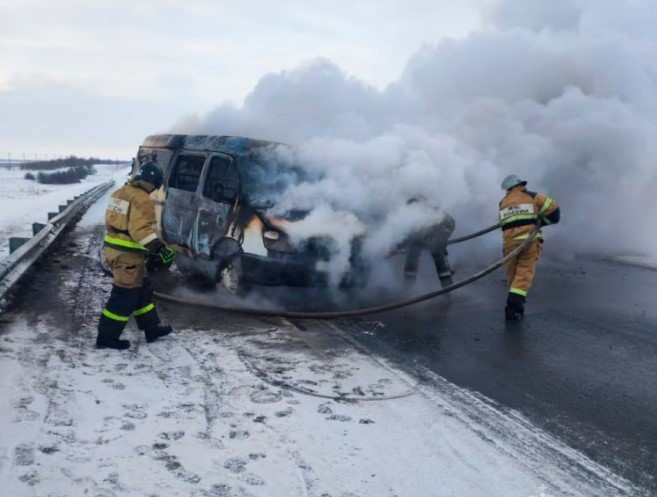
<point>269,271</point>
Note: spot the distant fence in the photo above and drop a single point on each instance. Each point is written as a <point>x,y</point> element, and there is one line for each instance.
<point>12,162</point>
<point>13,159</point>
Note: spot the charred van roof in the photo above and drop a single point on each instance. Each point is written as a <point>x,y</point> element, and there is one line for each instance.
<point>212,143</point>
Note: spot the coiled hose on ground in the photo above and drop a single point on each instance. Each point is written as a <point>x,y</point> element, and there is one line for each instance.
<point>367,310</point>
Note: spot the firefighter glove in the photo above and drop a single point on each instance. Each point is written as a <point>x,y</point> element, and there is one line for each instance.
<point>155,246</point>
<point>167,255</point>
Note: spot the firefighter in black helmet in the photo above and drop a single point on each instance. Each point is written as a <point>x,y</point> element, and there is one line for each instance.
<point>130,239</point>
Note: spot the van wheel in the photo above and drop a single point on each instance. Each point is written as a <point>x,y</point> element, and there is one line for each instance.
<point>232,279</point>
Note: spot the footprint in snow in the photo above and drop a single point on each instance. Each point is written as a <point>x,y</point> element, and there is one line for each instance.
<point>172,435</point>
<point>172,464</point>
<point>253,480</point>
<point>48,450</point>
<point>285,413</point>
<point>339,417</point>
<point>265,397</point>
<point>235,465</point>
<point>23,455</point>
<point>26,415</point>
<point>134,411</point>
<point>239,435</point>
<point>104,493</point>
<point>31,478</point>
<point>217,490</point>
<point>142,450</point>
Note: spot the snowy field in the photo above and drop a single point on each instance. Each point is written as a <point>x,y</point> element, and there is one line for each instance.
<point>243,407</point>
<point>23,202</point>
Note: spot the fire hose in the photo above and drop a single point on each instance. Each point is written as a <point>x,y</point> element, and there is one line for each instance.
<point>373,309</point>
<point>476,234</point>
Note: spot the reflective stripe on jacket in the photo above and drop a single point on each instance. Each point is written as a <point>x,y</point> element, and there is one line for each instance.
<point>521,210</point>
<point>124,245</point>
<point>130,219</point>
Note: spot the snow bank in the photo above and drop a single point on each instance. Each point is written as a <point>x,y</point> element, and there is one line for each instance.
<point>23,202</point>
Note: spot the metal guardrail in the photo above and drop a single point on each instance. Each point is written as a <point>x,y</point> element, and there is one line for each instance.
<point>24,252</point>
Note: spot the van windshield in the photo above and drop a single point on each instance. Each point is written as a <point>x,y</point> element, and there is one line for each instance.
<point>266,177</point>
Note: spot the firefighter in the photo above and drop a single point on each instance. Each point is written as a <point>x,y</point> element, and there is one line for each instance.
<point>432,238</point>
<point>130,241</point>
<point>522,211</point>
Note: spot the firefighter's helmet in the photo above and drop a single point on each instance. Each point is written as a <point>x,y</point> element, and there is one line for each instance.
<point>151,173</point>
<point>511,181</point>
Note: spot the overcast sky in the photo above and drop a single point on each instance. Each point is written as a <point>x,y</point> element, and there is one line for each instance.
<point>96,77</point>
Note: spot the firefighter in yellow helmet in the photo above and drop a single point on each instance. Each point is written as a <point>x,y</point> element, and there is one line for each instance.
<point>521,211</point>
<point>131,238</point>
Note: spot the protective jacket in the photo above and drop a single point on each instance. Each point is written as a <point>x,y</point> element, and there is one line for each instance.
<point>130,218</point>
<point>521,211</point>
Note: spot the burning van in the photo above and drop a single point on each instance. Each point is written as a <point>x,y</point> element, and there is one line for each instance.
<point>214,206</point>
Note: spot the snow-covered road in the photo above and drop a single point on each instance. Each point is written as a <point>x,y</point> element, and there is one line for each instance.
<point>234,406</point>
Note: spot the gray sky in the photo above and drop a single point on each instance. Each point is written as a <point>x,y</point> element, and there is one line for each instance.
<point>80,76</point>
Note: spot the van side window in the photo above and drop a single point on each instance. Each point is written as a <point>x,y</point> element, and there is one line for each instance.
<point>186,172</point>
<point>223,180</point>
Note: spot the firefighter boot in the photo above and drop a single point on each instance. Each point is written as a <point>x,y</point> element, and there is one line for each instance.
<point>149,322</point>
<point>156,332</point>
<point>103,342</point>
<point>108,334</point>
<point>443,268</point>
<point>515,307</point>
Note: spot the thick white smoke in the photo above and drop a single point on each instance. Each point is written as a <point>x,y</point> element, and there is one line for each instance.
<point>560,92</point>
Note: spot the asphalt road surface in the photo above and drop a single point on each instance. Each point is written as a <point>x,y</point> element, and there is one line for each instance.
<point>583,364</point>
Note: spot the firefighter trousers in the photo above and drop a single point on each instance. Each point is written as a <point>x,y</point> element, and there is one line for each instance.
<point>440,261</point>
<point>521,269</point>
<point>132,295</point>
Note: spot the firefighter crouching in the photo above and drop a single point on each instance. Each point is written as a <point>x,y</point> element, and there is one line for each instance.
<point>433,239</point>
<point>521,211</point>
<point>130,240</point>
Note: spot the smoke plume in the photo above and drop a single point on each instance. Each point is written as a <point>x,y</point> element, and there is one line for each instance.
<point>560,92</point>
